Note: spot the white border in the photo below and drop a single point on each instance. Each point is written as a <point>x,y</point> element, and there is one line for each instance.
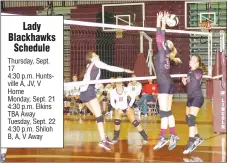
<point>185,17</point>
<point>123,4</point>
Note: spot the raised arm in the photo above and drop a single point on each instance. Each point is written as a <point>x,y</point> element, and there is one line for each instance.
<point>102,65</point>
<point>160,34</point>
<point>184,81</point>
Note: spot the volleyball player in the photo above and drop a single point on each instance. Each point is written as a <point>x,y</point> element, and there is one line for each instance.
<point>76,94</point>
<point>119,101</point>
<point>3,154</point>
<point>135,87</point>
<point>67,99</point>
<point>88,93</point>
<point>195,101</point>
<point>106,100</point>
<point>166,52</point>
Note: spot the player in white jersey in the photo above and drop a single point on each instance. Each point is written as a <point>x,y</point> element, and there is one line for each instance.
<point>119,98</point>
<point>75,96</point>
<point>135,88</point>
<point>88,92</point>
<point>3,154</point>
<point>106,100</point>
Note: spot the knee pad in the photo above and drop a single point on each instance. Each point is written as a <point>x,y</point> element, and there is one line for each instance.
<point>163,114</point>
<point>186,119</point>
<point>117,121</point>
<point>135,123</point>
<point>191,120</point>
<point>99,119</point>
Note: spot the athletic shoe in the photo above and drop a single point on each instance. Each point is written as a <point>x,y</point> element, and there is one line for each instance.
<point>196,159</point>
<point>105,145</point>
<point>108,140</point>
<point>162,141</point>
<point>173,141</point>
<point>144,142</point>
<point>197,142</point>
<point>188,148</point>
<point>114,141</point>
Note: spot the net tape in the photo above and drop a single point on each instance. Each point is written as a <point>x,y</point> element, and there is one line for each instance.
<point>125,27</point>
<point>102,81</point>
<point>91,24</point>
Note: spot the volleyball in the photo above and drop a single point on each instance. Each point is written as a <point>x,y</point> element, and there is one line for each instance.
<point>172,20</point>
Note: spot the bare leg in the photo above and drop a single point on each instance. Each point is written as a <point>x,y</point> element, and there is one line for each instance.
<point>95,108</point>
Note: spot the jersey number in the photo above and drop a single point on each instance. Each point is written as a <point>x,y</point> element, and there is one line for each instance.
<point>120,99</point>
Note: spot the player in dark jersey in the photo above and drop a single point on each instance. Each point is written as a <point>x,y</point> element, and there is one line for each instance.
<point>195,101</point>
<point>166,52</point>
<point>88,92</point>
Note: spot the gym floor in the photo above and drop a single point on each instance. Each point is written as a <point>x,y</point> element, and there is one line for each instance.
<point>81,141</point>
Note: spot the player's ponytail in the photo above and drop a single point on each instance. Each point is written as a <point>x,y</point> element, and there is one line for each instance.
<point>89,56</point>
<point>201,65</point>
<point>173,53</point>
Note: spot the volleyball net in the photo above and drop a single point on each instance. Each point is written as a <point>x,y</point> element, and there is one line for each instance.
<point>134,48</point>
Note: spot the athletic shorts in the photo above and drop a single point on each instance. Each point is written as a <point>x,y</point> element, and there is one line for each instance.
<point>67,99</point>
<point>165,88</point>
<point>78,100</point>
<point>87,95</point>
<point>105,99</point>
<point>123,110</point>
<point>195,102</point>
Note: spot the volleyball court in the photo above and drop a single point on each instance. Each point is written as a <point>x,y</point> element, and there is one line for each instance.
<point>125,42</point>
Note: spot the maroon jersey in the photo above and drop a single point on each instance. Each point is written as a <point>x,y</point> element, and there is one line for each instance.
<point>162,61</point>
<point>194,81</point>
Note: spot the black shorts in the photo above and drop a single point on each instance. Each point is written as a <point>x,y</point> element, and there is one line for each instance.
<point>87,95</point>
<point>105,99</point>
<point>78,100</point>
<point>195,102</point>
<point>67,99</point>
<point>165,88</point>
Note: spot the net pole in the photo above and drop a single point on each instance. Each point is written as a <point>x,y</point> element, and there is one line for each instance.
<point>222,41</point>
<point>211,53</point>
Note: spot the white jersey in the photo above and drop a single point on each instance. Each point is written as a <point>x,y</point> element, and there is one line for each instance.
<point>75,90</point>
<point>67,89</point>
<point>99,88</point>
<point>120,101</point>
<point>135,89</point>
<point>93,72</point>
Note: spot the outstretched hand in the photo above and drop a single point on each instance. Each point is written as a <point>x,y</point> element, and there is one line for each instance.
<point>129,71</point>
<point>184,81</point>
<point>166,15</point>
<point>159,16</point>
